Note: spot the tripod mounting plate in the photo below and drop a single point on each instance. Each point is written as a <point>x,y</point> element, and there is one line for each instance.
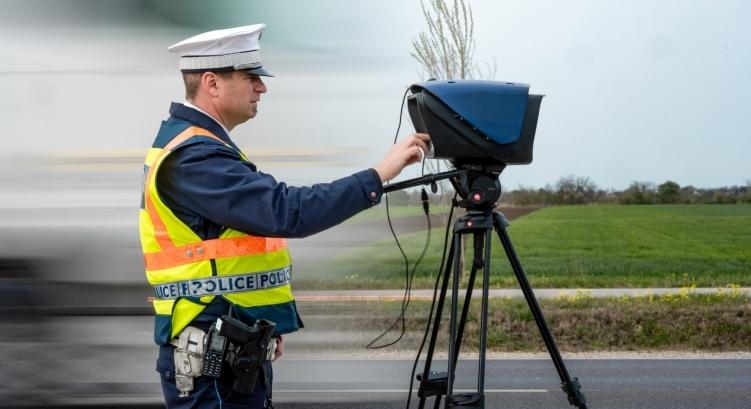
<point>474,222</point>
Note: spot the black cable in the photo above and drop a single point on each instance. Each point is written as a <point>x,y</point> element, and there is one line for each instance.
<point>432,304</point>
<point>407,292</point>
<point>409,276</point>
<point>401,113</point>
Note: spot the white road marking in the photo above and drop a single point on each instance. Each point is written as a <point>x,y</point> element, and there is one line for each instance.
<point>403,391</point>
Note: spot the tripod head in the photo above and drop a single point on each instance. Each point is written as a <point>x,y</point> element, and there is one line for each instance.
<point>478,185</point>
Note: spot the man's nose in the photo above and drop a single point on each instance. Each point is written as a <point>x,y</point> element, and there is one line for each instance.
<point>261,87</point>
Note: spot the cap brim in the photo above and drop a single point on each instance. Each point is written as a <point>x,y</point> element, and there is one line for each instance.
<point>259,71</point>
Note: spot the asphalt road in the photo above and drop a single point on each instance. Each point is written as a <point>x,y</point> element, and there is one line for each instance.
<point>382,384</point>
<point>638,383</point>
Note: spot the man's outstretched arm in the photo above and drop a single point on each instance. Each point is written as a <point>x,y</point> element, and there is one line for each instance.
<point>210,181</point>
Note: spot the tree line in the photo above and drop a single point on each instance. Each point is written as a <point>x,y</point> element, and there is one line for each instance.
<point>576,190</point>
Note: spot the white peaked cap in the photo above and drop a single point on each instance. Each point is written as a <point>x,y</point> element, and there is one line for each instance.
<point>229,49</point>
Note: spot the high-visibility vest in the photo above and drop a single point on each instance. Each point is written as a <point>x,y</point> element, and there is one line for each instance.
<point>186,273</point>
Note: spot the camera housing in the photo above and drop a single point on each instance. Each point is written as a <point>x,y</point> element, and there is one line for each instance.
<point>476,122</point>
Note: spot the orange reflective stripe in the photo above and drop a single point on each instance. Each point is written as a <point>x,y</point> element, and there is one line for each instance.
<point>160,229</point>
<point>208,249</point>
<point>189,133</point>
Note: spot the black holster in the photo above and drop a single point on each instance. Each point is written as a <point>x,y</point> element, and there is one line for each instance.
<point>247,350</point>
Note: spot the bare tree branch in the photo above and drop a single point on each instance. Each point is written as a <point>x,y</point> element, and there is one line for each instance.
<point>446,50</point>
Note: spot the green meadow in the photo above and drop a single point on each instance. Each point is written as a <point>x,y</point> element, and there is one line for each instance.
<point>576,247</point>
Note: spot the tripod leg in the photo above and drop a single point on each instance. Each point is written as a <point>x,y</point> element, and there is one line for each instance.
<point>481,260</point>
<point>484,314</point>
<point>452,323</point>
<point>439,308</point>
<point>424,380</point>
<point>477,263</point>
<point>570,386</point>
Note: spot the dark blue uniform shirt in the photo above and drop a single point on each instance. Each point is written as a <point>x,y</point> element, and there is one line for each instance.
<point>209,187</point>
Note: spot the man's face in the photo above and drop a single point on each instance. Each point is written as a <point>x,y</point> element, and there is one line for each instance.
<point>238,98</point>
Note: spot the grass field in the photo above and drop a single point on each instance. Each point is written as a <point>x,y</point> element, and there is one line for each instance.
<point>579,247</point>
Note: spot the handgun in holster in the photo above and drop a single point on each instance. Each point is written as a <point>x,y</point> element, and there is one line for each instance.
<point>247,350</point>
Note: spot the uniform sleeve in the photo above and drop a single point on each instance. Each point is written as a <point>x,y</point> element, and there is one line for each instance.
<point>212,181</point>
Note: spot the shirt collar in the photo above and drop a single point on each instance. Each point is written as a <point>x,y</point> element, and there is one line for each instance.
<point>196,116</point>
<point>190,105</point>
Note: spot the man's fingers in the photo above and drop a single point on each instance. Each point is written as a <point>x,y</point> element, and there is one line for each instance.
<point>416,138</point>
<point>420,140</point>
<point>415,155</point>
<point>409,151</point>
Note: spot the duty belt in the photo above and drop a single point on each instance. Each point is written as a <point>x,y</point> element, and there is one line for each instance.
<point>218,285</point>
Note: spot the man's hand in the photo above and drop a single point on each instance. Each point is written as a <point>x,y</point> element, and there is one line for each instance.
<point>402,154</point>
<point>279,351</point>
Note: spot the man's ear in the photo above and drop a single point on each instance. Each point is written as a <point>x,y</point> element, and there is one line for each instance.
<point>209,83</point>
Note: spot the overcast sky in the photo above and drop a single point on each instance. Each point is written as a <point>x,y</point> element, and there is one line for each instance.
<point>637,90</point>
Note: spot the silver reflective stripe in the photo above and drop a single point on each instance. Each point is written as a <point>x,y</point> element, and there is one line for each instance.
<point>218,285</point>
<point>244,60</point>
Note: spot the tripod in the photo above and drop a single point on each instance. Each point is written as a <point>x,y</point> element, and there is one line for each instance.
<point>480,225</point>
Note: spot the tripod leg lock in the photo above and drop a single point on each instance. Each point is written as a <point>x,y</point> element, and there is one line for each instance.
<point>435,384</point>
<point>466,400</point>
<point>575,395</point>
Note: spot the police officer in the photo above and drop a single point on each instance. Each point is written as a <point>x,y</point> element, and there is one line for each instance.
<point>213,226</point>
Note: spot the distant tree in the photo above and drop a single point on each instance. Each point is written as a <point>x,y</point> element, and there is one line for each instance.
<point>526,197</point>
<point>723,197</point>
<point>705,196</point>
<point>639,193</point>
<point>579,190</point>
<point>689,194</point>
<point>609,196</point>
<point>575,190</point>
<point>605,196</point>
<point>669,192</point>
